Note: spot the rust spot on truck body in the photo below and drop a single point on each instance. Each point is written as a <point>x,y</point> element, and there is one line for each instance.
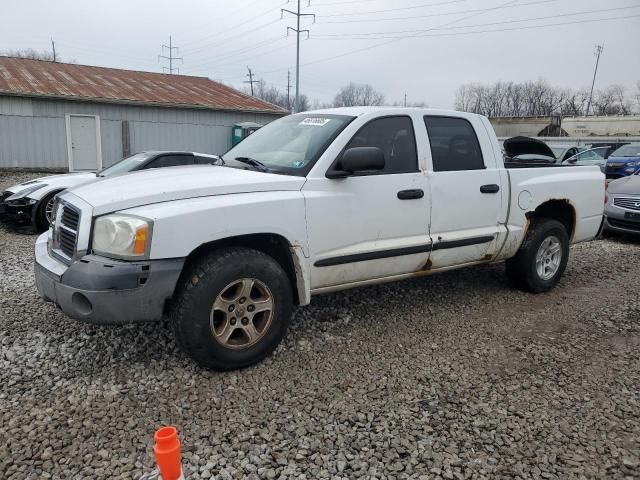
<point>427,266</point>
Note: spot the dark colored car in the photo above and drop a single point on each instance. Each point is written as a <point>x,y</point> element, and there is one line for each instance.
<point>31,203</point>
<point>622,211</point>
<point>623,162</point>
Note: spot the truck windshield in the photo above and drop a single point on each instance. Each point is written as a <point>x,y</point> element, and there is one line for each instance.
<point>125,165</point>
<point>290,145</point>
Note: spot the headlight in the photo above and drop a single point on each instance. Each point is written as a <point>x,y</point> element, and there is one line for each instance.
<point>122,236</point>
<point>633,164</point>
<point>22,194</point>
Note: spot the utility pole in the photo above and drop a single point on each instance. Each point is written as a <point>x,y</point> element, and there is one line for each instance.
<point>598,52</point>
<point>251,80</point>
<point>405,99</point>
<point>297,14</point>
<point>171,58</point>
<point>53,47</point>
<point>289,90</point>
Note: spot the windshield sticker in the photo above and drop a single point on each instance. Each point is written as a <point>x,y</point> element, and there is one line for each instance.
<point>316,122</point>
<point>298,164</point>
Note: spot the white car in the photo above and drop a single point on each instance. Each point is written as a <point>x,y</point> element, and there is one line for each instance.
<point>311,203</point>
<point>32,202</point>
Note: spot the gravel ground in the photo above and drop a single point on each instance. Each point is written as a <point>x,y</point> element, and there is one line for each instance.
<point>451,376</point>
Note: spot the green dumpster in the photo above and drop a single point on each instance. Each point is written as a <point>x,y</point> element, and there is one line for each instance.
<point>242,130</point>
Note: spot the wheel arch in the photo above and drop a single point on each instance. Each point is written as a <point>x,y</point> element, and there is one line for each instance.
<point>556,209</point>
<point>289,256</point>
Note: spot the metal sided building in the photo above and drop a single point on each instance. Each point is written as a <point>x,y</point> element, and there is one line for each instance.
<point>75,117</point>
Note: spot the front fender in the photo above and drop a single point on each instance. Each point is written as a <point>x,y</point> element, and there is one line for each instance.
<point>181,226</point>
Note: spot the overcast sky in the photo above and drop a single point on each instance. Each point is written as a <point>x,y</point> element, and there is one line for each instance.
<point>426,48</point>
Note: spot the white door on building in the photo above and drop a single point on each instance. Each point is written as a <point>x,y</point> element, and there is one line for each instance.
<point>83,143</point>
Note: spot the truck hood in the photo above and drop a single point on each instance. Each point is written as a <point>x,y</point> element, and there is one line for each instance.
<point>177,183</point>
<point>628,185</point>
<point>55,182</point>
<point>515,146</point>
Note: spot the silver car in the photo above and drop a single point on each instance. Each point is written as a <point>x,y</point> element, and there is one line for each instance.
<point>622,211</point>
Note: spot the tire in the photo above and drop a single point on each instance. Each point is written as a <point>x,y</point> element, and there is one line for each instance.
<point>200,316</point>
<point>41,220</point>
<point>523,270</point>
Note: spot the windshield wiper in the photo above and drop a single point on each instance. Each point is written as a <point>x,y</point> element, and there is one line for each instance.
<point>253,162</point>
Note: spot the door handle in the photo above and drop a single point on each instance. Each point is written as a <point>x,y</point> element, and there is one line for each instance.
<point>491,188</point>
<point>410,194</point>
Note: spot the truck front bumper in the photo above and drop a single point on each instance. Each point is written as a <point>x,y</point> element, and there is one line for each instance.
<point>101,290</point>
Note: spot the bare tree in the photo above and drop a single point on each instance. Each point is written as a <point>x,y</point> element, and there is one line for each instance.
<point>356,94</point>
<point>539,98</point>
<point>35,55</point>
<point>29,53</point>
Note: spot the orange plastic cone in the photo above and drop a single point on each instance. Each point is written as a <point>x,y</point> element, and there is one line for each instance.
<point>167,451</point>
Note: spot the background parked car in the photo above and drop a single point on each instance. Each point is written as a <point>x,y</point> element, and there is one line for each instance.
<point>611,146</point>
<point>623,162</point>
<point>622,211</point>
<point>527,150</point>
<point>592,156</point>
<point>564,152</point>
<point>31,202</point>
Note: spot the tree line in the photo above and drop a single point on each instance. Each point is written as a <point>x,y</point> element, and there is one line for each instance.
<point>501,99</point>
<point>353,94</point>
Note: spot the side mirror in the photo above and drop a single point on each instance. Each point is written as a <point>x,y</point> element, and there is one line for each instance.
<point>359,159</point>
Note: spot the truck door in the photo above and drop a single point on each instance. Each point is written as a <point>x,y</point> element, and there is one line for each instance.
<point>370,225</point>
<point>466,200</point>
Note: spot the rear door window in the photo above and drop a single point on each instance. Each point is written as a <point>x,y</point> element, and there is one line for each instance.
<point>454,144</point>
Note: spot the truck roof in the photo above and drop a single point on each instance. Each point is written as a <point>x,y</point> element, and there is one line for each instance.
<point>362,110</point>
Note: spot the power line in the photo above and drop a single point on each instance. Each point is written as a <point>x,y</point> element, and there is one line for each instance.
<point>443,14</point>
<point>222,41</point>
<point>233,53</point>
<point>232,28</point>
<point>372,34</point>
<point>396,39</point>
<point>298,15</point>
<point>598,52</point>
<point>251,80</point>
<point>413,7</point>
<point>171,58</point>
<point>208,24</point>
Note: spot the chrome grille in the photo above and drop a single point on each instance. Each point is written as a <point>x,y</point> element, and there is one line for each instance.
<point>629,203</point>
<point>70,218</point>
<point>65,230</point>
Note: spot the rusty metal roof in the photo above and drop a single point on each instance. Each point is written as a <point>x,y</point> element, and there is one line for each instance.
<point>25,77</point>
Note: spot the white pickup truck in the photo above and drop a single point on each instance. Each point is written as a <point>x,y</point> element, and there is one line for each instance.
<point>311,203</point>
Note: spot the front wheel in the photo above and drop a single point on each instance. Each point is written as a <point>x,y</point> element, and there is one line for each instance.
<point>44,212</point>
<point>542,259</point>
<point>232,308</point>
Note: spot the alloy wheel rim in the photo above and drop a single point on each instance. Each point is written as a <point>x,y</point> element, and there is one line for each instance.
<point>242,313</point>
<point>549,257</point>
<point>48,210</point>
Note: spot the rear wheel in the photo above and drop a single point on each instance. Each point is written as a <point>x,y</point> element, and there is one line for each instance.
<point>232,308</point>
<point>44,212</point>
<point>542,259</point>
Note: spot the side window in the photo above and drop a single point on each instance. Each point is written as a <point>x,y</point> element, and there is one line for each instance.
<point>203,160</point>
<point>170,161</point>
<point>395,137</point>
<point>454,145</point>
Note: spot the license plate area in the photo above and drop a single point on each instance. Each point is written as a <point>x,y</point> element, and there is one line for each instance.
<point>633,216</point>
